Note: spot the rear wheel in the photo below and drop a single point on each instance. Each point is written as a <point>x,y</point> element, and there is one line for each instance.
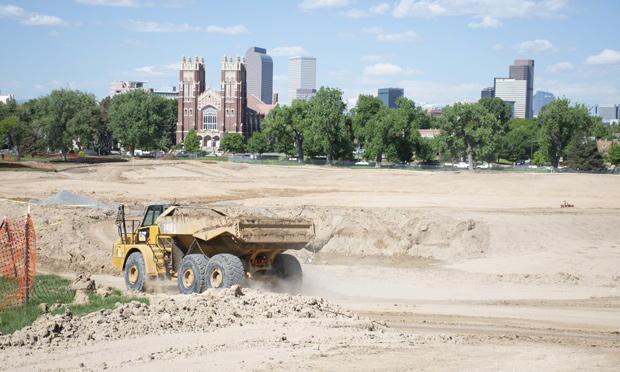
<point>135,272</point>
<point>224,271</point>
<point>191,274</point>
<point>289,271</point>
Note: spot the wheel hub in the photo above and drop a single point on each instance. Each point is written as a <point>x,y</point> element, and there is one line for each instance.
<point>188,278</point>
<point>216,278</point>
<point>133,274</point>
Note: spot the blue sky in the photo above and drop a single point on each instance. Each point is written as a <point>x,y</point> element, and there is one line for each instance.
<point>439,51</point>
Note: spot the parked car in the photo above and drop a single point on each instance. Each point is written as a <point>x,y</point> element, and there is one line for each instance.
<point>483,166</point>
<point>460,165</point>
<point>362,163</point>
<point>520,162</point>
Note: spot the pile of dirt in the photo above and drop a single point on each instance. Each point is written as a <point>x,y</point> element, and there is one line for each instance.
<point>212,310</point>
<point>170,156</point>
<point>70,199</point>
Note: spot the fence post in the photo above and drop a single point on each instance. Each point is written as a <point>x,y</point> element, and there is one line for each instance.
<point>27,268</point>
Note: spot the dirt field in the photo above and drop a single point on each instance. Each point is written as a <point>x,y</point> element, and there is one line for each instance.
<point>409,270</point>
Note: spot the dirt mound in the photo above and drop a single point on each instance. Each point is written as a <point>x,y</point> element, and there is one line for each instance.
<point>207,312</point>
<point>70,199</point>
<point>170,156</point>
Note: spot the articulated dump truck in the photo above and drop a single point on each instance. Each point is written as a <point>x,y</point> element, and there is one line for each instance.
<point>203,248</point>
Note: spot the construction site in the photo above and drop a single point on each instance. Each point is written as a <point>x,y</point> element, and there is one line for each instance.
<point>402,270</point>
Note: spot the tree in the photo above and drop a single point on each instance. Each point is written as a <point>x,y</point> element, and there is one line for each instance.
<point>614,154</point>
<point>233,142</point>
<point>258,143</point>
<point>583,155</point>
<point>289,125</point>
<point>559,123</point>
<point>11,128</point>
<point>140,119</point>
<point>68,118</point>
<point>192,143</point>
<point>328,126</point>
<point>369,119</point>
<point>470,131</point>
<point>519,142</point>
<point>406,120</point>
<point>103,141</point>
<point>498,108</point>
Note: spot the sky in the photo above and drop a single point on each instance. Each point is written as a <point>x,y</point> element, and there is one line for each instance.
<point>439,51</point>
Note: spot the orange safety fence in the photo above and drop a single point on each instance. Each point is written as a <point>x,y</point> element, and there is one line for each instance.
<point>18,253</point>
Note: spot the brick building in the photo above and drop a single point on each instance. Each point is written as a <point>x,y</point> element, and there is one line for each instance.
<point>214,113</point>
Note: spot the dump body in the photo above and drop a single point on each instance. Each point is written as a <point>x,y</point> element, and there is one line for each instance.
<point>164,238</point>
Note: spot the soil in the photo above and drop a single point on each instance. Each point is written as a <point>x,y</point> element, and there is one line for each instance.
<point>409,270</point>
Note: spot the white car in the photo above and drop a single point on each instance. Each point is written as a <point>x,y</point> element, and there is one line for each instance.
<point>460,165</point>
<point>361,163</point>
<point>483,166</point>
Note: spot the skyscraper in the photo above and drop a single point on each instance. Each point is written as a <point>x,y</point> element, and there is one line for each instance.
<point>488,92</point>
<point>540,99</point>
<point>513,92</point>
<point>390,95</point>
<point>301,75</point>
<point>523,69</point>
<point>259,69</point>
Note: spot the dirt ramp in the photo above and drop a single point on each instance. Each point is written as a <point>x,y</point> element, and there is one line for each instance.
<point>389,232</point>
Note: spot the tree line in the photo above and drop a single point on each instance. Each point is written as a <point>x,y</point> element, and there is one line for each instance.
<point>71,119</point>
<point>320,127</point>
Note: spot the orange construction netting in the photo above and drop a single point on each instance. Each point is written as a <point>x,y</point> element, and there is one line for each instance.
<point>18,253</point>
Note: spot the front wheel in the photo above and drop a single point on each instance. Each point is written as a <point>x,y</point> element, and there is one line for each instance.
<point>224,271</point>
<point>289,271</point>
<point>191,274</point>
<point>135,271</point>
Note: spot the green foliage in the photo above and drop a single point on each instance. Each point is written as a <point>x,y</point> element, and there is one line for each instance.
<point>259,143</point>
<point>192,143</point>
<point>32,142</point>
<point>12,129</point>
<point>559,124</point>
<point>538,159</point>
<point>52,289</point>
<point>140,120</point>
<point>329,128</point>
<point>289,127</point>
<point>469,131</point>
<point>233,142</point>
<point>600,130</point>
<point>68,117</point>
<point>614,154</point>
<point>103,138</point>
<point>583,155</point>
<point>520,143</point>
<point>498,108</point>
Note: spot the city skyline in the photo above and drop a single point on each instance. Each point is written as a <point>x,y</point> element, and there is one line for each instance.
<point>439,51</point>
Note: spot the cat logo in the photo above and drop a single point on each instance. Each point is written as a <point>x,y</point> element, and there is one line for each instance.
<point>142,236</point>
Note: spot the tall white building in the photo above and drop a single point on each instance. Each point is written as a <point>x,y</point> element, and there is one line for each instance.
<point>513,92</point>
<point>301,76</point>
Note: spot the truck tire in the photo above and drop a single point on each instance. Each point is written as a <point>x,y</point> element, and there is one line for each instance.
<point>224,271</point>
<point>191,274</point>
<point>135,272</point>
<point>289,271</point>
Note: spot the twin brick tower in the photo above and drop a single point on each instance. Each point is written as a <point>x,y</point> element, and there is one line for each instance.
<point>214,113</point>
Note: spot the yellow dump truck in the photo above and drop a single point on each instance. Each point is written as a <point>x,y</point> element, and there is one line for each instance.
<point>203,248</point>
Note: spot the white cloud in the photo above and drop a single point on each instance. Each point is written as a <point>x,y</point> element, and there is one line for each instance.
<point>497,47</point>
<point>355,13</point>
<point>365,80</point>
<point>505,9</point>
<point>405,37</point>
<point>606,57</point>
<point>230,30</point>
<point>559,68</point>
<point>116,3</point>
<point>380,9</point>
<point>317,4</point>
<point>139,26</point>
<point>592,91</point>
<point>487,21</point>
<point>288,51</point>
<point>440,93</point>
<point>30,18</point>
<point>387,69</point>
<point>53,33</point>
<point>346,35</point>
<point>535,46</point>
<point>383,36</point>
